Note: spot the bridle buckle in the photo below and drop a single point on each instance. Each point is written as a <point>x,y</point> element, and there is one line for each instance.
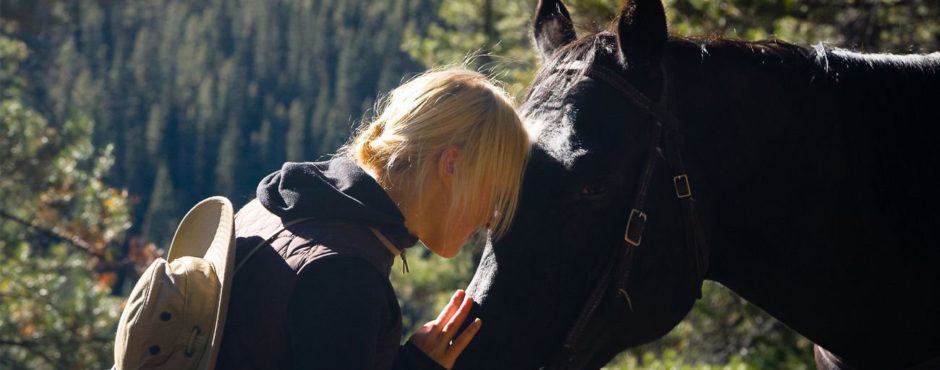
<point>683,187</point>
<point>635,225</point>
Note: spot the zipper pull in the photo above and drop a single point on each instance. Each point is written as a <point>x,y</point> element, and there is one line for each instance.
<point>404,263</point>
<point>392,249</point>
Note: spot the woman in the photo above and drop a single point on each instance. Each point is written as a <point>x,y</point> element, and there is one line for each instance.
<point>443,159</point>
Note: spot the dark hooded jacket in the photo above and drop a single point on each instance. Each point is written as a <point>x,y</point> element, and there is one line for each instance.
<point>317,297</point>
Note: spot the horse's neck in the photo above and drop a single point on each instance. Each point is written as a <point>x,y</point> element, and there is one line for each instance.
<point>818,188</point>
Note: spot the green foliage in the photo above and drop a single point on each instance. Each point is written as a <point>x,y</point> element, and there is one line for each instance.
<point>874,26</point>
<point>722,331</point>
<point>58,225</point>
<point>53,312</point>
<point>487,33</point>
<point>214,93</point>
<point>671,359</point>
<point>11,79</point>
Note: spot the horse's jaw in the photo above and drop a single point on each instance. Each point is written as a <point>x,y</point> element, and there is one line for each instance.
<point>514,334</point>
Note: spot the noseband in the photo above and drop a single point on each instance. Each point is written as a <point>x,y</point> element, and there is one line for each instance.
<point>665,143</point>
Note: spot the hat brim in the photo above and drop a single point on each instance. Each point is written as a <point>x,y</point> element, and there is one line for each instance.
<point>208,232</point>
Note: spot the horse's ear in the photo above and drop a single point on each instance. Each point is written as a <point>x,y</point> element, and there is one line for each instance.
<point>642,32</point>
<point>553,27</point>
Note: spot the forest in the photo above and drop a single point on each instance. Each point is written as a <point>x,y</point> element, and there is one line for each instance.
<point>117,116</point>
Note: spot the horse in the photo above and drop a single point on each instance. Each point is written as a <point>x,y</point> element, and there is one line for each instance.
<point>800,177</point>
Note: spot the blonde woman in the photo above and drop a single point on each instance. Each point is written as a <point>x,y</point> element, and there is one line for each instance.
<point>442,159</point>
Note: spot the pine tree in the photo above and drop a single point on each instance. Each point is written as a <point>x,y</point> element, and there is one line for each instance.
<point>296,132</point>
<point>163,214</point>
<point>59,230</point>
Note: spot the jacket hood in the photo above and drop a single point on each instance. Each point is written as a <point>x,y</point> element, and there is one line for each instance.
<point>337,189</point>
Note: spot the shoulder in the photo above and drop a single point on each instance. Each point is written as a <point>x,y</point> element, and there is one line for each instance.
<point>340,266</point>
<point>309,241</point>
<point>343,278</point>
<point>343,288</point>
<point>254,220</point>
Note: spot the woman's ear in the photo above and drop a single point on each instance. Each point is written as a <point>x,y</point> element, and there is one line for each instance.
<point>446,165</point>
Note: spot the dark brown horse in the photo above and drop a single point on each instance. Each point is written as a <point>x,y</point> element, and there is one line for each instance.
<point>813,173</point>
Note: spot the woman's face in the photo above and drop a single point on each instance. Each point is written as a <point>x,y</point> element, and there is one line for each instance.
<point>435,220</point>
<point>449,229</point>
<point>455,227</point>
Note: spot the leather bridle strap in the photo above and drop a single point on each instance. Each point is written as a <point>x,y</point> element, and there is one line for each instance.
<point>665,142</point>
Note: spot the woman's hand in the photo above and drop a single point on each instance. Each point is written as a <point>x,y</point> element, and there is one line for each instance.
<point>436,338</point>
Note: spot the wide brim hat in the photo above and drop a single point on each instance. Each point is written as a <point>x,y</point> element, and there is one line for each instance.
<point>208,232</point>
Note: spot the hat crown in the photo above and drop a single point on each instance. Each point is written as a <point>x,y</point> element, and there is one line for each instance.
<point>170,321</point>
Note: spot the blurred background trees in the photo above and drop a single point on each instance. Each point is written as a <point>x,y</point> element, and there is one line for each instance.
<point>117,116</point>
<point>59,224</point>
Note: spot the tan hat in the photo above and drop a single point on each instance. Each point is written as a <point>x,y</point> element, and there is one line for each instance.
<point>174,317</point>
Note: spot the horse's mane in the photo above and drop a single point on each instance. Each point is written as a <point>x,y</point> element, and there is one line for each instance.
<point>820,56</point>
<point>913,62</point>
<point>817,59</point>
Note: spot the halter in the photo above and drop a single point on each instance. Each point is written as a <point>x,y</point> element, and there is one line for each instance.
<point>665,143</point>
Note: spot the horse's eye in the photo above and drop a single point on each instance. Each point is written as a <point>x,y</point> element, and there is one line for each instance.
<point>593,190</point>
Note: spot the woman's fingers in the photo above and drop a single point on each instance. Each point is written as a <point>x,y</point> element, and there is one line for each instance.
<point>436,337</point>
<point>451,307</point>
<point>450,328</point>
<point>463,340</point>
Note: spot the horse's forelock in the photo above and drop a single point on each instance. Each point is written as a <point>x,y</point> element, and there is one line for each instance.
<point>565,68</point>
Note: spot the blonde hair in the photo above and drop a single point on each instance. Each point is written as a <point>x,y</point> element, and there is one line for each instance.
<point>438,109</point>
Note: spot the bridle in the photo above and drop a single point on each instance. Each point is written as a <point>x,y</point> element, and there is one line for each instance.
<point>665,143</point>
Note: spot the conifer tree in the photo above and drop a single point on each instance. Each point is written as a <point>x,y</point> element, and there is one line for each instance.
<point>60,226</point>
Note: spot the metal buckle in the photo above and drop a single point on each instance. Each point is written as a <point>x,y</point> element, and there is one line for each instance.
<point>683,187</point>
<point>635,225</point>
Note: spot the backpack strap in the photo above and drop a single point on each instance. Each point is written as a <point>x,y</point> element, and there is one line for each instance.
<point>268,241</point>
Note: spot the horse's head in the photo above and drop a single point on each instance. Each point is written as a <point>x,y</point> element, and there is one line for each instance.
<point>592,145</point>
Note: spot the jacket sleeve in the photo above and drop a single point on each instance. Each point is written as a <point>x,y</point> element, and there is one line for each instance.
<point>410,357</point>
<point>336,315</point>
